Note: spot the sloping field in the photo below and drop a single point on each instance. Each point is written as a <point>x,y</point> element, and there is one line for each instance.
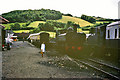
<point>79,21</point>
<point>35,24</point>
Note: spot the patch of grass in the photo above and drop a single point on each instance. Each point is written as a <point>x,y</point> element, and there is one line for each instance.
<point>35,24</point>
<point>79,30</point>
<point>20,31</point>
<point>98,22</point>
<point>86,32</point>
<point>79,21</point>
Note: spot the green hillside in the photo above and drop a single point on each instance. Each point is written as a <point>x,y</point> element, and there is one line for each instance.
<point>32,15</point>
<point>64,19</point>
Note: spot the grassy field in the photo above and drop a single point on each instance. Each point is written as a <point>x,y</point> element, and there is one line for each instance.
<point>86,32</point>
<point>35,24</point>
<point>20,31</point>
<point>79,30</point>
<point>79,21</point>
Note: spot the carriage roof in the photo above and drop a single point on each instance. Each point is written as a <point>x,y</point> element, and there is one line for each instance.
<point>113,24</point>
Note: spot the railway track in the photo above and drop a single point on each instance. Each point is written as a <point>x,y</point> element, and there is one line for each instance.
<point>111,72</point>
<point>98,62</point>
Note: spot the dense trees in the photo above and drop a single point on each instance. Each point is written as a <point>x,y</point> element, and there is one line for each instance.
<point>108,20</point>
<point>53,26</point>
<point>32,15</point>
<point>88,18</point>
<point>68,15</point>
<point>16,26</point>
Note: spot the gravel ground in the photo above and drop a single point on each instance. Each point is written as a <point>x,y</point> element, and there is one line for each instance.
<point>25,61</point>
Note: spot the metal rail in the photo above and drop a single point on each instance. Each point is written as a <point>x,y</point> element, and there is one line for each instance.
<point>105,64</point>
<point>100,70</point>
<point>77,62</point>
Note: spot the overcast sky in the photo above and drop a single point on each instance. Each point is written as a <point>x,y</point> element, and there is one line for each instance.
<point>102,8</point>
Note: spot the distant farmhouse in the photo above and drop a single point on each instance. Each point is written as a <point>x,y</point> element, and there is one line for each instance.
<point>2,31</point>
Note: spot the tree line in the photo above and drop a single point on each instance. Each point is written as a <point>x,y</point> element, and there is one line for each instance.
<point>17,26</point>
<point>32,15</point>
<point>108,20</point>
<point>88,18</point>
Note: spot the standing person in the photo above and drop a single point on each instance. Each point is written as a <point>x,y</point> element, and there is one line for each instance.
<point>23,39</point>
<point>42,48</point>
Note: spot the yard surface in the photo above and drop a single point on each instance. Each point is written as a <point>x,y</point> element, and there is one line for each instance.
<point>25,61</point>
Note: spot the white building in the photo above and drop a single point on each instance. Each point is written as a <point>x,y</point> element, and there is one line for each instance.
<point>113,30</point>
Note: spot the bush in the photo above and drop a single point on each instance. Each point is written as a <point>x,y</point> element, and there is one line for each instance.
<point>16,26</point>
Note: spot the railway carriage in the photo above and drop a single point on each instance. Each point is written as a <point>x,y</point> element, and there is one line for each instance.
<point>112,43</point>
<point>105,41</point>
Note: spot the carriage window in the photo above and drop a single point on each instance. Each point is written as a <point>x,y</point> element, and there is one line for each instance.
<point>115,33</point>
<point>108,33</point>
